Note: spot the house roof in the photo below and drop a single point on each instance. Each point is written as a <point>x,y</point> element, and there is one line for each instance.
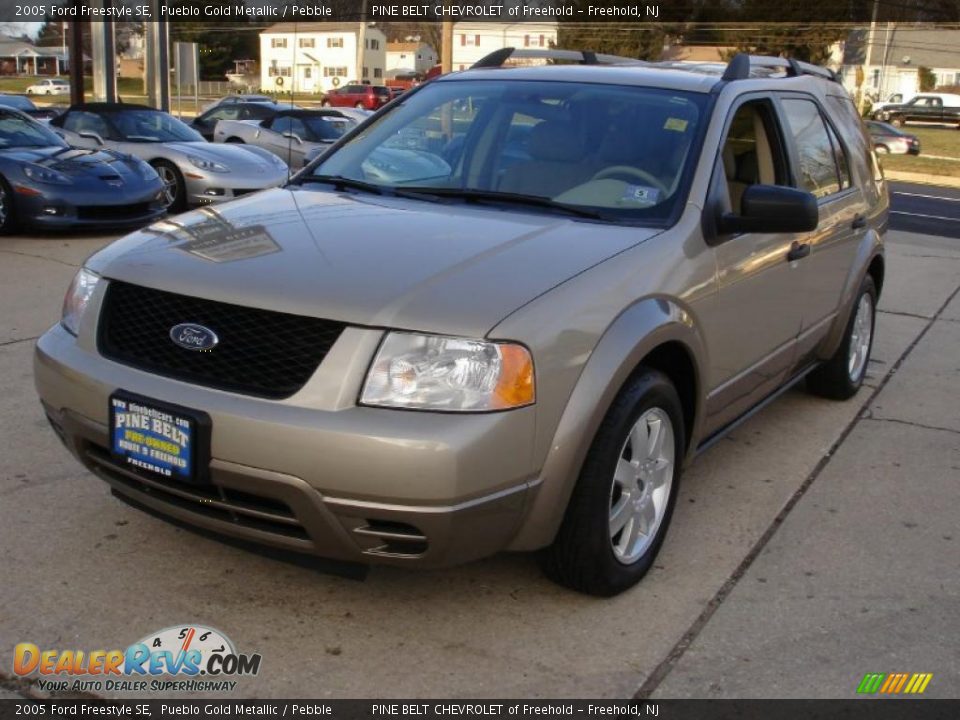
<point>905,46</point>
<point>9,47</point>
<point>404,46</point>
<point>697,53</point>
<point>313,28</point>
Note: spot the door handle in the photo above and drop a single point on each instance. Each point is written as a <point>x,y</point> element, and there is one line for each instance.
<point>859,222</point>
<point>798,251</point>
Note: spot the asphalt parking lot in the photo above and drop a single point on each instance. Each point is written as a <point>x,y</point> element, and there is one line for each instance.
<point>816,543</point>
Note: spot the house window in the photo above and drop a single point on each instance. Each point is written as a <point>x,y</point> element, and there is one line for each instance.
<point>308,42</point>
<point>307,73</point>
<point>875,81</point>
<point>476,40</point>
<point>366,72</point>
<point>335,72</point>
<point>278,42</point>
<point>374,44</point>
<point>526,41</point>
<point>285,71</point>
<point>463,39</point>
<point>335,42</point>
<point>542,41</point>
<point>378,72</point>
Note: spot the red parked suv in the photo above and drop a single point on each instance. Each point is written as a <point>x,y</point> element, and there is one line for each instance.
<point>369,97</point>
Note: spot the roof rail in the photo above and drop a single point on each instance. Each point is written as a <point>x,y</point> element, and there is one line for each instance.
<point>585,57</point>
<point>741,65</point>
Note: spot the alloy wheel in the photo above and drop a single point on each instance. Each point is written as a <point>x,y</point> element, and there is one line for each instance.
<point>641,486</point>
<point>4,210</point>
<point>170,184</point>
<point>860,337</point>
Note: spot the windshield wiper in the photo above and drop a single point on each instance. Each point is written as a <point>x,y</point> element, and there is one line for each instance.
<point>493,196</point>
<point>342,183</point>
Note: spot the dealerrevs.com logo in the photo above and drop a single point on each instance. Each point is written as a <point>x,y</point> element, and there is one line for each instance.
<point>185,658</point>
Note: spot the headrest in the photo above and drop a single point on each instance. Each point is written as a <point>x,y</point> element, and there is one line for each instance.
<point>554,141</point>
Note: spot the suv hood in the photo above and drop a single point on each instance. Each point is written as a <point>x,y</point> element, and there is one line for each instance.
<point>365,259</point>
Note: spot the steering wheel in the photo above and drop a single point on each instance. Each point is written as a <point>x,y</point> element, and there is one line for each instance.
<point>632,172</point>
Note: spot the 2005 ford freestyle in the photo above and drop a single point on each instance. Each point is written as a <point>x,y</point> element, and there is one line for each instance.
<point>501,314</point>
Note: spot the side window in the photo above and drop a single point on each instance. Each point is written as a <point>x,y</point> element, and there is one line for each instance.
<point>298,128</point>
<point>257,113</point>
<point>281,124</point>
<point>79,121</point>
<point>817,170</point>
<point>751,151</point>
<point>841,158</point>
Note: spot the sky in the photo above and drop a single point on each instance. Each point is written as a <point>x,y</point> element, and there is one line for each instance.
<point>18,28</point>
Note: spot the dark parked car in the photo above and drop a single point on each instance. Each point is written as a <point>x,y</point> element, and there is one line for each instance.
<point>888,139</point>
<point>25,105</point>
<point>926,107</point>
<point>369,97</point>
<point>44,182</point>
<point>206,123</point>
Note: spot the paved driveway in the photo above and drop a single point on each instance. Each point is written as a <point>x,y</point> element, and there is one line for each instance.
<point>81,569</point>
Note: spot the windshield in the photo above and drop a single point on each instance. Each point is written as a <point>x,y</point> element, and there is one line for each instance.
<point>328,127</point>
<point>152,126</point>
<point>617,150</point>
<point>17,101</point>
<point>19,132</point>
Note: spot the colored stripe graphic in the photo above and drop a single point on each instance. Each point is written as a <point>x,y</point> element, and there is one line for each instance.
<point>894,683</point>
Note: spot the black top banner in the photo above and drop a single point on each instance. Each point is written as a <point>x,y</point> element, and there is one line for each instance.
<point>265,12</point>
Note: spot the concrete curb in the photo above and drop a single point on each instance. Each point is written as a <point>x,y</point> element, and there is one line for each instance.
<point>922,178</point>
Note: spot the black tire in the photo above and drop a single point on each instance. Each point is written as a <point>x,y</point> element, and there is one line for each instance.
<point>326,103</point>
<point>8,211</point>
<point>166,169</point>
<point>582,556</point>
<point>896,121</point>
<point>833,379</point>
<point>359,106</point>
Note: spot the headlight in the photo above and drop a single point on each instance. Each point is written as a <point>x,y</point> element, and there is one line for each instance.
<point>429,372</point>
<point>77,298</point>
<point>40,174</point>
<point>208,165</point>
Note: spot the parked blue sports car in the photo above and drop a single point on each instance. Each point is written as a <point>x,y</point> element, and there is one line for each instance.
<point>46,183</point>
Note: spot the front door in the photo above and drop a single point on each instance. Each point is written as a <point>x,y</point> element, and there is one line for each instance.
<point>752,337</point>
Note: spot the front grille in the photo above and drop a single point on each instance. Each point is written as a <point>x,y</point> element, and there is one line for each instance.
<point>112,212</point>
<point>263,353</point>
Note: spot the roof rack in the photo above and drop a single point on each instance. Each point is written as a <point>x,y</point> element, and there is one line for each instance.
<point>585,57</point>
<point>741,65</point>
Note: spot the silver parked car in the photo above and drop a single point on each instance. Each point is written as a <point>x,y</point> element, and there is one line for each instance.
<point>291,135</point>
<point>194,171</point>
<point>504,315</point>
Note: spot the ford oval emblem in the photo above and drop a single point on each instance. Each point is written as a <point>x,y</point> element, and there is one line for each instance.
<point>194,337</point>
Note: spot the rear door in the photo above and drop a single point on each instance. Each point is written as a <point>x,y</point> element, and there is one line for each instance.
<point>820,164</point>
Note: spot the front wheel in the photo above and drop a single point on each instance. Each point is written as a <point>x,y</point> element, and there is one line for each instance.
<point>842,375</point>
<point>359,106</point>
<point>8,220</point>
<point>621,506</point>
<point>896,121</point>
<point>174,187</point>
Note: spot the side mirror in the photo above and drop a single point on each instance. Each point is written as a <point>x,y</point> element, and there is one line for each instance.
<point>90,135</point>
<point>772,209</point>
<point>293,136</point>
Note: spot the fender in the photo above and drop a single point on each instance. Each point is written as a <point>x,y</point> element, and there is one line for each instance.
<point>655,321</point>
<point>871,246</point>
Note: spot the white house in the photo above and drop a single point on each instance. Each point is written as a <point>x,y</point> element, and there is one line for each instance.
<point>417,57</point>
<point>473,40</point>
<point>317,57</point>
<point>891,56</point>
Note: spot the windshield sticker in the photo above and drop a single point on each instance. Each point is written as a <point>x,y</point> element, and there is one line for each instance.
<point>640,194</point>
<point>676,124</point>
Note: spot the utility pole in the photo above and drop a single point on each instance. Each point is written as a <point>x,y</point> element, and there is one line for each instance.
<point>361,42</point>
<point>869,52</point>
<point>446,47</point>
<point>75,42</point>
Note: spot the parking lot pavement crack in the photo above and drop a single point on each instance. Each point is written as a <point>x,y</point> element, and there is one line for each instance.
<point>665,667</point>
<point>4,343</point>
<point>921,426</point>
<point>904,314</point>
<point>40,257</point>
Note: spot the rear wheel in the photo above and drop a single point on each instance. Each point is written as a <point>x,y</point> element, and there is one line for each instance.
<point>359,106</point>
<point>842,375</point>
<point>8,221</point>
<point>326,103</point>
<point>621,506</point>
<point>174,187</point>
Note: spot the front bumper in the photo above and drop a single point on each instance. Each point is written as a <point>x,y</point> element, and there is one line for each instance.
<point>207,188</point>
<point>56,209</point>
<point>313,473</point>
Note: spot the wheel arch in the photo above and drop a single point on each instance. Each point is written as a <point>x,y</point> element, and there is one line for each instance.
<point>655,332</point>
